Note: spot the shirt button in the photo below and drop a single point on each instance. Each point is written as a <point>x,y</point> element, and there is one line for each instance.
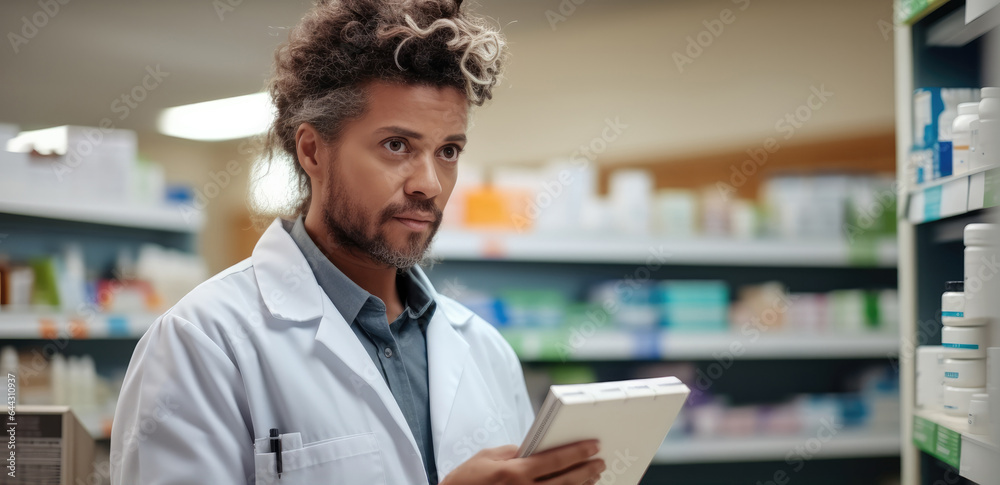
<point>388,353</point>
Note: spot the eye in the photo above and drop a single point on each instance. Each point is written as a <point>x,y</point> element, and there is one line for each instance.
<point>450,153</point>
<point>395,145</point>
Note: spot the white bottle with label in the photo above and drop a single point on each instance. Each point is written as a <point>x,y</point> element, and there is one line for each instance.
<point>961,132</point>
<point>988,142</point>
<point>953,305</point>
<point>979,414</point>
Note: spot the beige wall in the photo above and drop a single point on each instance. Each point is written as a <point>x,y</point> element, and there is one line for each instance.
<point>617,62</point>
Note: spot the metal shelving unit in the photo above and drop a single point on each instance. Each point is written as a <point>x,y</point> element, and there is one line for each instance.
<point>936,47</point>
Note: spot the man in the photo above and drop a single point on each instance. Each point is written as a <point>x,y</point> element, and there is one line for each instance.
<point>329,336</point>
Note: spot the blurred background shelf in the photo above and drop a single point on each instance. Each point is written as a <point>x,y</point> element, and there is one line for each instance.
<point>17,325</point>
<point>782,346</point>
<point>595,249</point>
<point>569,345</point>
<point>162,218</point>
<point>845,444</point>
<point>84,280</point>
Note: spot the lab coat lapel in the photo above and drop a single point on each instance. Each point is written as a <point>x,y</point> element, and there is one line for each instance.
<point>464,412</point>
<point>447,356</point>
<point>335,334</point>
<point>447,359</point>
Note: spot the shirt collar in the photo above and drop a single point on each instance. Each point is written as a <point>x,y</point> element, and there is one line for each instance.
<point>418,298</point>
<point>346,295</point>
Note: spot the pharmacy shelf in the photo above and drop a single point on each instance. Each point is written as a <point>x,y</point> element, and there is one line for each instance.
<point>845,444</point>
<point>954,195</point>
<point>928,51</point>
<point>591,248</point>
<point>50,326</point>
<point>948,438</point>
<point>164,218</point>
<point>576,345</point>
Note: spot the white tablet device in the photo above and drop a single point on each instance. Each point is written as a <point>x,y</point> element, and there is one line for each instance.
<point>629,418</point>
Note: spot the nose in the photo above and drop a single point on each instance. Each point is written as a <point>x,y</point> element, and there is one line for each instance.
<point>422,182</point>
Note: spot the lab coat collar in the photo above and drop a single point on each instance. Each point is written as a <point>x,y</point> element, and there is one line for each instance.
<point>290,290</point>
<point>287,284</point>
<point>457,314</point>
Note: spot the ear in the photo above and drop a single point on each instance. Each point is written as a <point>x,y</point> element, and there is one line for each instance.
<point>309,146</point>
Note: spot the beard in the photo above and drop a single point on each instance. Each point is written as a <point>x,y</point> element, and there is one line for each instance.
<point>350,227</point>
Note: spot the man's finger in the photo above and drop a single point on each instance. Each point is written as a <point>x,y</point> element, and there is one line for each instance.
<point>562,458</point>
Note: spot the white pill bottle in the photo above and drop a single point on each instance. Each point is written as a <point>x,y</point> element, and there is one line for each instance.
<point>982,276</point>
<point>961,132</point>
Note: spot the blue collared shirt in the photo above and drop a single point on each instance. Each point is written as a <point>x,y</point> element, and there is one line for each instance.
<point>398,350</point>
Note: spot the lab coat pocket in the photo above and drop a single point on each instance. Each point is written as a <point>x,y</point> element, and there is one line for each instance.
<point>347,460</point>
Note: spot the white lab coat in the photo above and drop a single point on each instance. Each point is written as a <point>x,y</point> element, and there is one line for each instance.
<point>259,346</point>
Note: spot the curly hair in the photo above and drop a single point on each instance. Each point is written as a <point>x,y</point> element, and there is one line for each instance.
<point>321,73</point>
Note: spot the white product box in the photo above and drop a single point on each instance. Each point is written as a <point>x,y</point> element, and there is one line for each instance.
<point>930,382</point>
<point>79,162</point>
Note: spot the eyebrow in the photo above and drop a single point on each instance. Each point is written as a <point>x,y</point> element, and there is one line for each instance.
<point>398,130</point>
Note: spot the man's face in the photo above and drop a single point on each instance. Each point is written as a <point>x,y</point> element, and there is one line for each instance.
<point>393,172</point>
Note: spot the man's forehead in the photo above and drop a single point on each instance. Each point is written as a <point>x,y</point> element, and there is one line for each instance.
<point>416,112</point>
<point>444,104</point>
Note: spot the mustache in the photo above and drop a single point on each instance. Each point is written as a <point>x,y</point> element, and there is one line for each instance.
<point>424,205</point>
